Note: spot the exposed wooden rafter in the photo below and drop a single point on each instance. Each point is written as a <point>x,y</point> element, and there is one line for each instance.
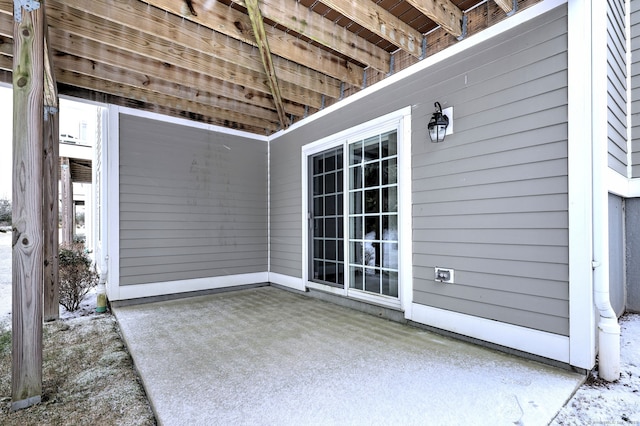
<point>291,14</point>
<point>186,45</point>
<point>200,59</point>
<point>506,5</point>
<point>380,22</point>
<point>50,87</point>
<point>442,12</point>
<point>237,25</point>
<point>265,54</point>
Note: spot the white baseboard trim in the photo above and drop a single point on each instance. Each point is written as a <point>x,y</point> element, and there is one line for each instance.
<point>286,281</point>
<point>547,345</point>
<point>136,291</point>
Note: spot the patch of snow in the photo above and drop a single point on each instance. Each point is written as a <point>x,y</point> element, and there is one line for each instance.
<point>600,402</point>
<point>87,307</point>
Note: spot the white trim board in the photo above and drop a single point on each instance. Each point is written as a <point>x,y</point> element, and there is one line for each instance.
<point>547,345</point>
<point>621,185</point>
<point>580,175</point>
<point>111,179</point>
<point>189,123</point>
<point>136,291</point>
<point>634,188</point>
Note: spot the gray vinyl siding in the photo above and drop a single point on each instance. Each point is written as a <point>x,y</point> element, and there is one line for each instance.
<point>286,210</point>
<point>193,203</point>
<point>635,87</point>
<point>617,86</point>
<point>491,201</point>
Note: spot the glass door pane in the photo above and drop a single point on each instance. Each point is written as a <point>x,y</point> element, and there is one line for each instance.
<point>326,218</point>
<point>373,215</point>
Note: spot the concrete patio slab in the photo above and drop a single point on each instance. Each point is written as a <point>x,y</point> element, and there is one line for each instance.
<point>266,356</point>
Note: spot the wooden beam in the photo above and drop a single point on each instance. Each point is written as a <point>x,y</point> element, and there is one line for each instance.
<point>380,22</point>
<point>50,203</point>
<point>442,12</point>
<point>142,22</point>
<point>143,45</point>
<point>292,14</point>
<point>506,5</point>
<point>226,20</point>
<point>96,96</point>
<point>51,145</point>
<point>66,195</point>
<point>222,107</point>
<point>6,64</point>
<point>265,55</point>
<point>6,43</point>
<point>93,89</point>
<point>175,75</point>
<point>50,91</point>
<point>27,256</point>
<point>153,70</point>
<point>141,94</point>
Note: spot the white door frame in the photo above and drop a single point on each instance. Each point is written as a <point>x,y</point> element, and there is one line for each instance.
<point>400,120</point>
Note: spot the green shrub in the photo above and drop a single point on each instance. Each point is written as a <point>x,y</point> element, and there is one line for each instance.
<point>77,275</point>
<point>5,211</point>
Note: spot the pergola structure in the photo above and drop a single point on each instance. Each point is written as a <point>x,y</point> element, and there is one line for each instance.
<point>227,63</point>
<point>248,65</point>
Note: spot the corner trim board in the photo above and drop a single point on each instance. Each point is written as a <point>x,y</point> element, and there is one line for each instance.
<point>111,179</point>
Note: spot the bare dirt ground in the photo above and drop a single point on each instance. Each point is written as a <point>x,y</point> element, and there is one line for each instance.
<point>88,375</point>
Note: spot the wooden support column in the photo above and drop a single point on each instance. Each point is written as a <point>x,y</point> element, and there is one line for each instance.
<point>66,188</point>
<point>27,256</point>
<point>50,214</point>
<point>50,203</point>
<point>265,54</point>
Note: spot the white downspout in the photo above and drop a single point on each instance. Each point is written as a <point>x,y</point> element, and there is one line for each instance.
<point>608,327</point>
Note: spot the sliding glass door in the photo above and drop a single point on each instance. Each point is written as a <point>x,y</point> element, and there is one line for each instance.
<point>370,207</point>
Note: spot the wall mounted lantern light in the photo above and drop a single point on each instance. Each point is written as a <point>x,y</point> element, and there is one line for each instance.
<point>438,124</point>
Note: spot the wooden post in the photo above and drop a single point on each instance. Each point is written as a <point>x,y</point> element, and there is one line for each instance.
<point>66,189</point>
<point>50,203</point>
<point>50,214</point>
<point>27,256</point>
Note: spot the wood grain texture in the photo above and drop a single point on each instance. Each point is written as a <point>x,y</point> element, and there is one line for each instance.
<point>443,12</point>
<point>265,54</point>
<point>302,20</point>
<point>381,22</point>
<point>27,255</point>
<point>66,196</point>
<point>50,216</point>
